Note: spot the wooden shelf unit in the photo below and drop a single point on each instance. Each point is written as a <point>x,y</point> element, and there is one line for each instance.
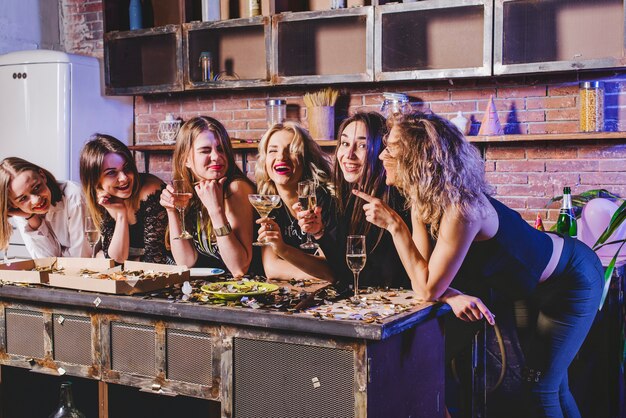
<point>375,40</point>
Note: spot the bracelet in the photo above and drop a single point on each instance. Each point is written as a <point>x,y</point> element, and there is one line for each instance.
<point>222,231</point>
<point>31,215</point>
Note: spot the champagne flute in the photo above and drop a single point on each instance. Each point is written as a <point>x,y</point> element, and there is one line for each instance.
<point>355,257</point>
<point>264,204</point>
<point>308,201</point>
<point>91,232</point>
<point>181,199</point>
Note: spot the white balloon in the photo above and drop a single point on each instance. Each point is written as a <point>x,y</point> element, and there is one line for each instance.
<point>594,219</point>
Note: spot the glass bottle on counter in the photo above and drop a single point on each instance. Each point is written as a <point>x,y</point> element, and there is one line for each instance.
<point>66,407</point>
<point>566,223</point>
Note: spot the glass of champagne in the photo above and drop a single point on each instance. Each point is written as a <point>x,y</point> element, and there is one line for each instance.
<point>264,204</point>
<point>91,232</point>
<point>355,257</point>
<point>181,199</point>
<point>308,201</point>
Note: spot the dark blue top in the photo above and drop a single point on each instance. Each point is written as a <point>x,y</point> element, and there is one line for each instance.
<point>383,267</point>
<point>513,260</point>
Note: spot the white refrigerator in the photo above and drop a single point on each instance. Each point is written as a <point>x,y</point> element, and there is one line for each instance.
<point>51,103</point>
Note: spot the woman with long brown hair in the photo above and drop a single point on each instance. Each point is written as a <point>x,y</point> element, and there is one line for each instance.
<point>123,203</point>
<point>357,166</point>
<point>218,214</point>
<point>49,214</point>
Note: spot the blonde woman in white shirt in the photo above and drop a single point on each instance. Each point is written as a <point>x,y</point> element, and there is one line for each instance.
<point>50,215</point>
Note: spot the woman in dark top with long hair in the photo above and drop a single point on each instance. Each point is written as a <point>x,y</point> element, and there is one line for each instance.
<point>357,166</point>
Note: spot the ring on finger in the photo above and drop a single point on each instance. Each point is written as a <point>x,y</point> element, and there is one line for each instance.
<point>269,227</point>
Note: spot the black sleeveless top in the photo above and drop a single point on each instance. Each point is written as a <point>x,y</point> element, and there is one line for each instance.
<point>513,260</point>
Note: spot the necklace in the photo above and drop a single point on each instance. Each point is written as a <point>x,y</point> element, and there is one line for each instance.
<point>290,230</point>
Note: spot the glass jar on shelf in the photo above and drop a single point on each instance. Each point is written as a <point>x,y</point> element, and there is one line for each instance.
<point>591,97</point>
<point>395,104</point>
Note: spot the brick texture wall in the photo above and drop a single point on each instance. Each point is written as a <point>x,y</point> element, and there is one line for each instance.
<point>525,175</point>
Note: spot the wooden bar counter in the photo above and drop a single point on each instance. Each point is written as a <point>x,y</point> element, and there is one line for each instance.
<point>215,361</point>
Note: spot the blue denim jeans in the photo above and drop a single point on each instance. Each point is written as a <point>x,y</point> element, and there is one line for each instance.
<point>562,309</point>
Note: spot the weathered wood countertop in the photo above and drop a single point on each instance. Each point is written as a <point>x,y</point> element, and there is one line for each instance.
<point>242,316</point>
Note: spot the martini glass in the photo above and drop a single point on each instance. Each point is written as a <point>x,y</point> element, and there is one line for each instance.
<point>264,204</point>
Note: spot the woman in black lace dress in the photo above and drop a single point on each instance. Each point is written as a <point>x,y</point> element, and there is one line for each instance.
<point>123,202</point>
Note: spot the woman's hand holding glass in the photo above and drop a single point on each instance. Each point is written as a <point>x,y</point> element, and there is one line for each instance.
<point>310,221</point>
<point>270,234</point>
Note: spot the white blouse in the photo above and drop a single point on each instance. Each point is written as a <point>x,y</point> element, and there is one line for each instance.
<point>62,232</point>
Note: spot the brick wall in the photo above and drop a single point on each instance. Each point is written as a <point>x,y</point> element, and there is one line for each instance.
<point>525,175</point>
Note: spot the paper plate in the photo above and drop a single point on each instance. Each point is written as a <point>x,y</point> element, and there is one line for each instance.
<point>204,272</point>
<point>238,289</point>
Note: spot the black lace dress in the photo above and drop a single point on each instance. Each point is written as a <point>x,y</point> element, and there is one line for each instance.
<point>147,235</point>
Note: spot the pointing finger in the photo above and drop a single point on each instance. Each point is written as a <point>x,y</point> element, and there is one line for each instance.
<point>363,195</point>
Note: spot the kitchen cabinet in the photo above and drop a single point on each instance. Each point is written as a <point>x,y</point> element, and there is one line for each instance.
<point>333,46</point>
<point>225,361</point>
<point>239,48</point>
<point>433,39</point>
<point>558,35</point>
<point>144,61</point>
<point>372,41</point>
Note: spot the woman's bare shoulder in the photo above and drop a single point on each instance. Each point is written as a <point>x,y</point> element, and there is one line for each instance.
<point>150,185</point>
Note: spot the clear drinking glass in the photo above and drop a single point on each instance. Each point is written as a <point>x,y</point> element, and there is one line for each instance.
<point>181,200</point>
<point>308,201</point>
<point>91,232</point>
<point>264,204</point>
<point>356,255</point>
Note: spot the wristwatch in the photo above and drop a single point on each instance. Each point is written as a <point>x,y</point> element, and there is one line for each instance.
<point>223,230</point>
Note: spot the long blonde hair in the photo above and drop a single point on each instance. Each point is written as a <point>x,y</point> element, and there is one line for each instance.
<point>10,168</point>
<point>438,169</point>
<point>184,147</point>
<point>91,160</point>
<point>314,164</point>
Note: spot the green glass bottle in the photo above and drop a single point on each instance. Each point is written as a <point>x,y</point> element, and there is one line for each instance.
<point>566,223</point>
<point>66,407</point>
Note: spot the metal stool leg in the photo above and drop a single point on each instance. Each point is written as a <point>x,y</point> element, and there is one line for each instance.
<point>478,404</point>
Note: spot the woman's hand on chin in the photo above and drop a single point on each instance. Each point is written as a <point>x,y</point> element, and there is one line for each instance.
<point>113,205</point>
<point>211,194</point>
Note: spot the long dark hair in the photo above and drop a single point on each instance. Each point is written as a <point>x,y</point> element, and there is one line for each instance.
<point>372,180</point>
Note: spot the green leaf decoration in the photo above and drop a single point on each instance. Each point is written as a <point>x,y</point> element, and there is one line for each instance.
<point>608,273</point>
<point>579,200</point>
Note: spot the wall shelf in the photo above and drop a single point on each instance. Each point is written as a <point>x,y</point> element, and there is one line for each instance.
<point>503,139</point>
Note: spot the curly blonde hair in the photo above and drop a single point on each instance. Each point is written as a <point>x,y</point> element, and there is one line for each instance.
<point>315,166</point>
<point>438,169</point>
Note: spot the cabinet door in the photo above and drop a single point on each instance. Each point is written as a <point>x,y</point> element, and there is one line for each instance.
<point>558,35</point>
<point>323,47</point>
<point>433,39</point>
